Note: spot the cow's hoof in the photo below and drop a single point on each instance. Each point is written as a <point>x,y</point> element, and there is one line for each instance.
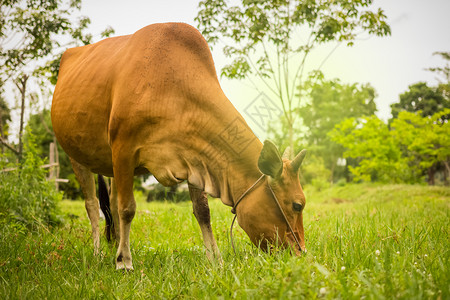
<point>215,259</point>
<point>218,262</point>
<point>121,266</point>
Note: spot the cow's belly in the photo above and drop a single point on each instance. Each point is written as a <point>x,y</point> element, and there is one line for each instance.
<point>90,152</point>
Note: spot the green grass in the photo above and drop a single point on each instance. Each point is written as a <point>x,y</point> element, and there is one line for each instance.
<point>369,241</point>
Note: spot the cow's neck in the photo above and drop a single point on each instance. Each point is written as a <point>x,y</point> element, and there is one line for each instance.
<point>230,160</point>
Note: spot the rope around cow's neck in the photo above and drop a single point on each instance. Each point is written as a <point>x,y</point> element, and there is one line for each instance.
<point>233,210</point>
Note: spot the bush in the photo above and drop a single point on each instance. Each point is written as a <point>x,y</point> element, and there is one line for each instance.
<point>27,199</point>
<point>158,192</point>
<point>313,171</point>
<point>320,184</point>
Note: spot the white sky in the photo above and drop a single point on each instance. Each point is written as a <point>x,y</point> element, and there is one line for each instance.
<point>389,64</point>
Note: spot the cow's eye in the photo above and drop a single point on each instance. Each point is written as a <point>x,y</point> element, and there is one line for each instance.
<point>297,206</point>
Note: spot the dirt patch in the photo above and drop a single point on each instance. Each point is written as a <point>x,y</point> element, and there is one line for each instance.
<point>338,200</point>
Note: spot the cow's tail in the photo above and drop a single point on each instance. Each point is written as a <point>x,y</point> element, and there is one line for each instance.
<point>103,197</point>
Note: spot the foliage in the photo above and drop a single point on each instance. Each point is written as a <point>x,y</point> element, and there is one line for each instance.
<point>421,97</point>
<point>33,36</point>
<point>443,72</point>
<point>369,141</point>
<point>158,192</point>
<point>29,29</point>
<point>32,30</point>
<point>27,199</point>
<point>262,38</point>
<point>256,23</point>
<point>432,102</point>
<point>278,132</point>
<point>331,102</point>
<point>314,172</point>
<point>364,241</point>
<point>400,154</point>
<point>5,117</point>
<point>41,127</point>
<point>31,33</point>
<point>425,141</point>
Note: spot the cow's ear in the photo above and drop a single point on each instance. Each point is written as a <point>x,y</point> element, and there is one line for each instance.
<point>269,162</point>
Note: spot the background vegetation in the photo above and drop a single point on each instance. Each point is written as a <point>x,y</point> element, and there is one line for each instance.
<point>335,121</point>
<point>27,199</point>
<point>373,227</point>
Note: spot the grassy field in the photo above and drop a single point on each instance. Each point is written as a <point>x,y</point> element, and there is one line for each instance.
<point>363,241</point>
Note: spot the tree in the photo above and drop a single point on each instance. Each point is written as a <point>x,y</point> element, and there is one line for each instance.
<point>31,29</point>
<point>378,156</point>
<point>412,147</point>
<point>443,77</point>
<point>443,72</point>
<point>421,97</point>
<point>40,126</point>
<point>5,117</point>
<point>331,102</point>
<point>425,141</point>
<point>278,132</point>
<point>273,39</point>
<point>30,32</point>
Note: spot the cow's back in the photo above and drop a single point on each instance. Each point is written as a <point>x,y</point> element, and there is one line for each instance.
<point>148,85</point>
<point>81,102</point>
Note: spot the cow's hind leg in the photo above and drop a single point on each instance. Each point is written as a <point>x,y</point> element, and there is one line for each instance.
<point>202,214</point>
<point>87,184</point>
<point>115,212</point>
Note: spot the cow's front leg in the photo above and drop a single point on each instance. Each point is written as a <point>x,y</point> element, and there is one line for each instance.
<point>123,177</point>
<point>202,214</point>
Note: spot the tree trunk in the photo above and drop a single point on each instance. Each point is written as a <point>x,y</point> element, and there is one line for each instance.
<point>22,86</point>
<point>431,172</point>
<point>347,170</point>
<point>333,167</point>
<point>291,140</point>
<point>446,173</point>
<point>3,142</point>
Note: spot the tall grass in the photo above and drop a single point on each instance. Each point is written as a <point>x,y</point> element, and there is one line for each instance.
<point>363,241</point>
<point>27,198</point>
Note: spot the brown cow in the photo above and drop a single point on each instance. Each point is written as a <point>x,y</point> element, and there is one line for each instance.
<point>151,102</point>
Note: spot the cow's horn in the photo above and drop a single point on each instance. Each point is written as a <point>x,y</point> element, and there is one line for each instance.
<point>297,161</point>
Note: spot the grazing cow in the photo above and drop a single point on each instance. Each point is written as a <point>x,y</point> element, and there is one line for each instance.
<point>151,102</point>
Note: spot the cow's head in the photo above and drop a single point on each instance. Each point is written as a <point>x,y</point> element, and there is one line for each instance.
<point>259,214</point>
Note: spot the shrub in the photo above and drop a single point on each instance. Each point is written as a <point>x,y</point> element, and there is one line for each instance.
<point>313,171</point>
<point>158,192</point>
<point>27,199</point>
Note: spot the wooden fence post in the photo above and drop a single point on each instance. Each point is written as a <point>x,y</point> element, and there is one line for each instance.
<point>53,173</point>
